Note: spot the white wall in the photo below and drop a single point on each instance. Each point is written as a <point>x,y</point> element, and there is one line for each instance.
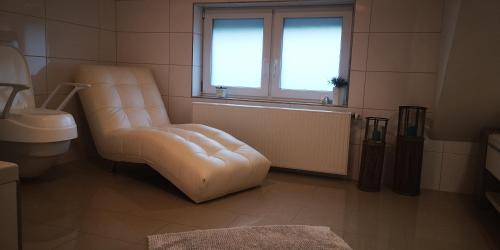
<point>395,62</point>
<point>396,49</point>
<point>150,34</point>
<point>55,37</point>
<point>468,95</point>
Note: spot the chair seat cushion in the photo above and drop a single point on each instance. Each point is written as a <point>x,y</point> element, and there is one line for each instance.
<point>203,162</point>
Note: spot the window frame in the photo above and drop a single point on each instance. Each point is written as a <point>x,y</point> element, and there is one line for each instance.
<point>312,12</point>
<point>232,13</point>
<point>272,47</point>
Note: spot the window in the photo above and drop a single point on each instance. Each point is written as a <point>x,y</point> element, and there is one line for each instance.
<point>231,65</point>
<point>276,52</point>
<point>310,52</point>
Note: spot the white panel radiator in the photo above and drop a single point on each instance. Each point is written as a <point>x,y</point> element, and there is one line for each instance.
<point>311,140</point>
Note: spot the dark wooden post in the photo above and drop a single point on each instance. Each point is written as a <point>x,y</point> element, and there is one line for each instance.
<point>409,150</point>
<point>372,156</point>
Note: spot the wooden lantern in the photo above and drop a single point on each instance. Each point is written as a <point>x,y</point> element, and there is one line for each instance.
<point>372,156</point>
<point>409,150</point>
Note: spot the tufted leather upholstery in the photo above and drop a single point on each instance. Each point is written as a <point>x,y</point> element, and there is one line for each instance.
<point>129,123</point>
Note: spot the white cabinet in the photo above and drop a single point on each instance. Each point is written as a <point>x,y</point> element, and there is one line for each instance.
<point>9,228</point>
<point>493,167</point>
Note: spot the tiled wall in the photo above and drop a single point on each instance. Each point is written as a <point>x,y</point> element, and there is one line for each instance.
<point>450,166</point>
<point>148,37</point>
<point>471,54</point>
<point>55,37</point>
<point>395,60</point>
<point>396,52</point>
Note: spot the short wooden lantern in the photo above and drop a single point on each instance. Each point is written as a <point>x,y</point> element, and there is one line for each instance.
<point>372,156</point>
<point>409,150</point>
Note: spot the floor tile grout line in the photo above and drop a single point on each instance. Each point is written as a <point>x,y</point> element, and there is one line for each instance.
<point>297,214</point>
<point>82,210</point>
<point>101,236</point>
<point>174,223</point>
<point>65,242</point>
<point>156,230</point>
<point>53,227</point>
<point>232,223</point>
<point>302,207</point>
<point>24,14</point>
<point>152,218</point>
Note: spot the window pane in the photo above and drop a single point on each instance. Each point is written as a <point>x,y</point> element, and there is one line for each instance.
<point>237,46</point>
<point>311,53</point>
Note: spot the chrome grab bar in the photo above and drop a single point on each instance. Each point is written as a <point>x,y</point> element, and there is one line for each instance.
<point>16,87</point>
<point>76,88</point>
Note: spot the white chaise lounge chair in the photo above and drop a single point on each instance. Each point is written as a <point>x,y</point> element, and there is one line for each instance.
<point>129,123</point>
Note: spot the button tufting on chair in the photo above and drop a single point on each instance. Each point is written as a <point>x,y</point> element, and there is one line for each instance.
<point>129,123</point>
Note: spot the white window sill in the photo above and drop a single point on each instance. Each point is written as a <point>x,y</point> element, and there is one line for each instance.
<point>269,100</point>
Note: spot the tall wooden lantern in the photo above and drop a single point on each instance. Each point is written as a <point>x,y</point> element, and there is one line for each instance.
<point>372,156</point>
<point>409,150</point>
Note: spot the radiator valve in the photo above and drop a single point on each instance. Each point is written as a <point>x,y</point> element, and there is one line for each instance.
<point>356,116</point>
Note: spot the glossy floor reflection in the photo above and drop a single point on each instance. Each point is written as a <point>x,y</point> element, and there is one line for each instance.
<point>84,206</point>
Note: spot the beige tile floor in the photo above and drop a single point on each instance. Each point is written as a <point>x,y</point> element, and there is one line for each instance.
<point>84,206</point>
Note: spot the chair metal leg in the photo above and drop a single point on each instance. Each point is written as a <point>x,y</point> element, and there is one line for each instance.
<point>113,168</point>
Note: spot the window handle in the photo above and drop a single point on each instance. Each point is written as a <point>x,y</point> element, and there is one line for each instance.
<point>275,68</point>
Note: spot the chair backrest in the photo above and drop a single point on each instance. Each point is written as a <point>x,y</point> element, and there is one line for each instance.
<point>14,69</point>
<point>120,97</point>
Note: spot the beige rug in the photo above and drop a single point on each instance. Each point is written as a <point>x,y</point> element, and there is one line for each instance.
<point>262,237</point>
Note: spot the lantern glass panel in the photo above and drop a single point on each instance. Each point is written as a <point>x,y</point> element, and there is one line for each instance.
<point>411,121</point>
<point>376,129</point>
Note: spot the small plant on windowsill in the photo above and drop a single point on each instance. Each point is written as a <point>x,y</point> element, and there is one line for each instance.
<point>338,82</point>
<point>339,89</point>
